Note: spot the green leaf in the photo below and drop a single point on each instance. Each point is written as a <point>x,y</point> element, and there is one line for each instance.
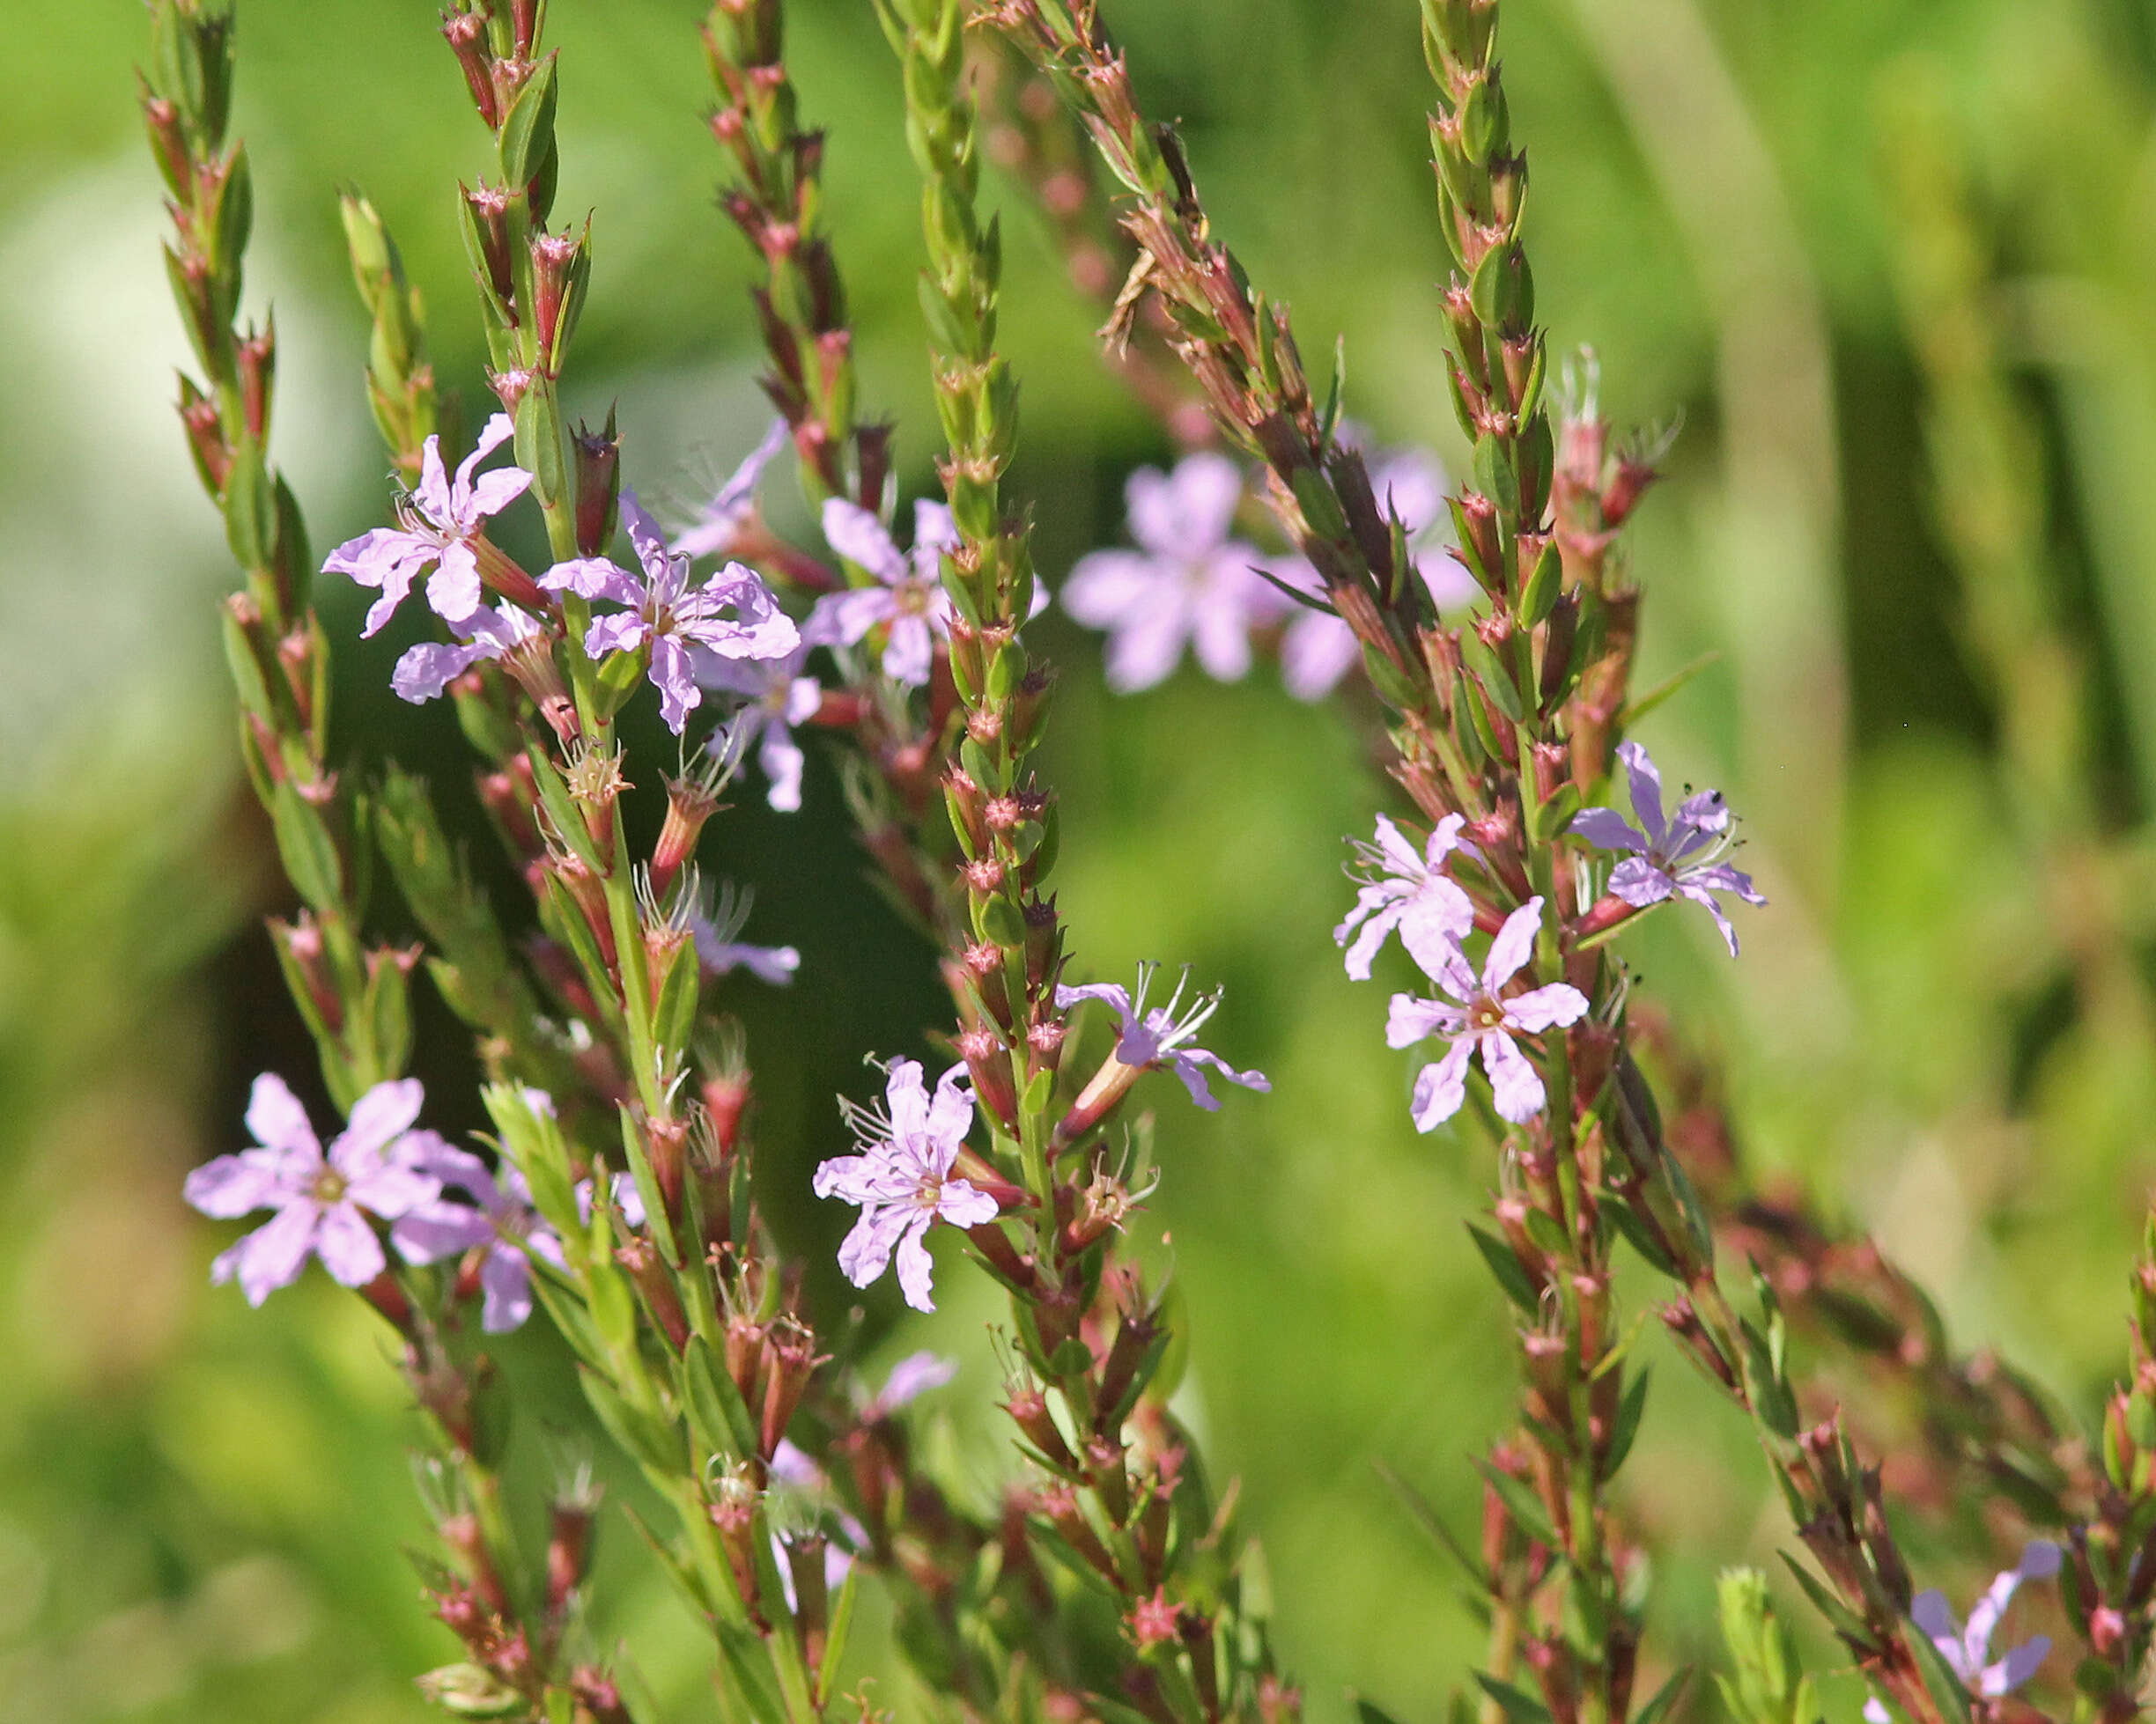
<point>718,1416</point>
<point>1664,1698</point>
<point>1512,1275</point>
<point>312,859</point>
<point>1517,1706</point>
<point>1627,1426</point>
<point>639,1435</point>
<point>1543,587</point>
<point>528,129</point>
<point>1523,1504</point>
<point>1424,1516</point>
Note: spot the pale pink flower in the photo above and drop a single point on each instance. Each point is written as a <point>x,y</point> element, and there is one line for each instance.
<point>1482,1019</point>
<point>902,1179</point>
<point>1407,889</point>
<point>437,522</point>
<point>325,1204</point>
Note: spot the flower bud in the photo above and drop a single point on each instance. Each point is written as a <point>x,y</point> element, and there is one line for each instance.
<point>466,34</point>
<point>598,485</point>
<point>661,1299</point>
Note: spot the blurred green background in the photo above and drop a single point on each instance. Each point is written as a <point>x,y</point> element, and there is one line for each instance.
<point>1892,260</point>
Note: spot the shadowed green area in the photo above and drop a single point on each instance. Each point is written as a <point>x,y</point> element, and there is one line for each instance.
<point>1777,219</point>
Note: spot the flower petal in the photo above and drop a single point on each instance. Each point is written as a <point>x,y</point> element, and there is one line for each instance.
<point>1515,944</point>
<point>273,1255</point>
<point>1412,1018</point>
<point>916,1268</point>
<point>384,1112</point>
<point>1107,587</point>
<point>1183,514</point>
<point>347,1246</point>
<point>235,1185</point>
<point>865,1253</point>
<point>1646,786</point>
<point>1550,1007</point>
<point>1515,1086</point>
<point>1607,829</point>
<point>504,1279</point>
<point>1433,921</point>
<point>278,1121</point>
<point>862,539</point>
<point>1639,882</point>
<point>1441,1088</point>
<point>1316,653</point>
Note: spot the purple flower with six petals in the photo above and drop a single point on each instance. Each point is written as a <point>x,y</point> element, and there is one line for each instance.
<point>689,629</point>
<point>437,522</point>
<point>1483,1018</point>
<point>373,1167</point>
<point>907,594</point>
<point>1968,1650</point>
<point>504,1223</point>
<point>1187,583</point>
<point>1408,891</point>
<point>902,1179</point>
<point>1679,856</point>
<point>720,523</point>
<point>1158,1037</point>
<point>775,697</point>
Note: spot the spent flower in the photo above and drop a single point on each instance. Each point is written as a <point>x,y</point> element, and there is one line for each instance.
<point>1680,855</point>
<point>439,522</point>
<point>902,1179</point>
<point>1483,1018</point>
<point>1187,584</point>
<point>325,1204</point>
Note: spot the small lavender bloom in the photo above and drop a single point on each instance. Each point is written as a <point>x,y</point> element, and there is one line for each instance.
<point>902,1180</point>
<point>627,1198</point>
<point>1318,649</point>
<point>1967,1649</point>
<point>720,523</point>
<point>504,1223</point>
<point>1158,1037</point>
<point>1187,583</point>
<point>1483,1019</point>
<point>1680,856</point>
<point>688,628</point>
<point>423,671</point>
<point>776,698</point>
<point>714,920</point>
<point>1408,891</point>
<point>911,1378</point>
<point>322,1204</point>
<point>908,595</point>
<point>436,523</point>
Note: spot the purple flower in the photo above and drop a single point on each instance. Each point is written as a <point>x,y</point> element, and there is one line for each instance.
<point>504,1223</point>
<point>423,671</point>
<point>715,921</point>
<point>1483,1018</point>
<point>690,629</point>
<point>1187,583</point>
<point>1408,891</point>
<point>623,1188</point>
<point>1967,1650</point>
<point>372,1168</point>
<point>1318,649</point>
<point>1680,856</point>
<point>722,522</point>
<point>776,698</point>
<point>911,1378</point>
<point>902,1179</point>
<point>437,524</point>
<point>907,595</point>
<point>1158,1037</point>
